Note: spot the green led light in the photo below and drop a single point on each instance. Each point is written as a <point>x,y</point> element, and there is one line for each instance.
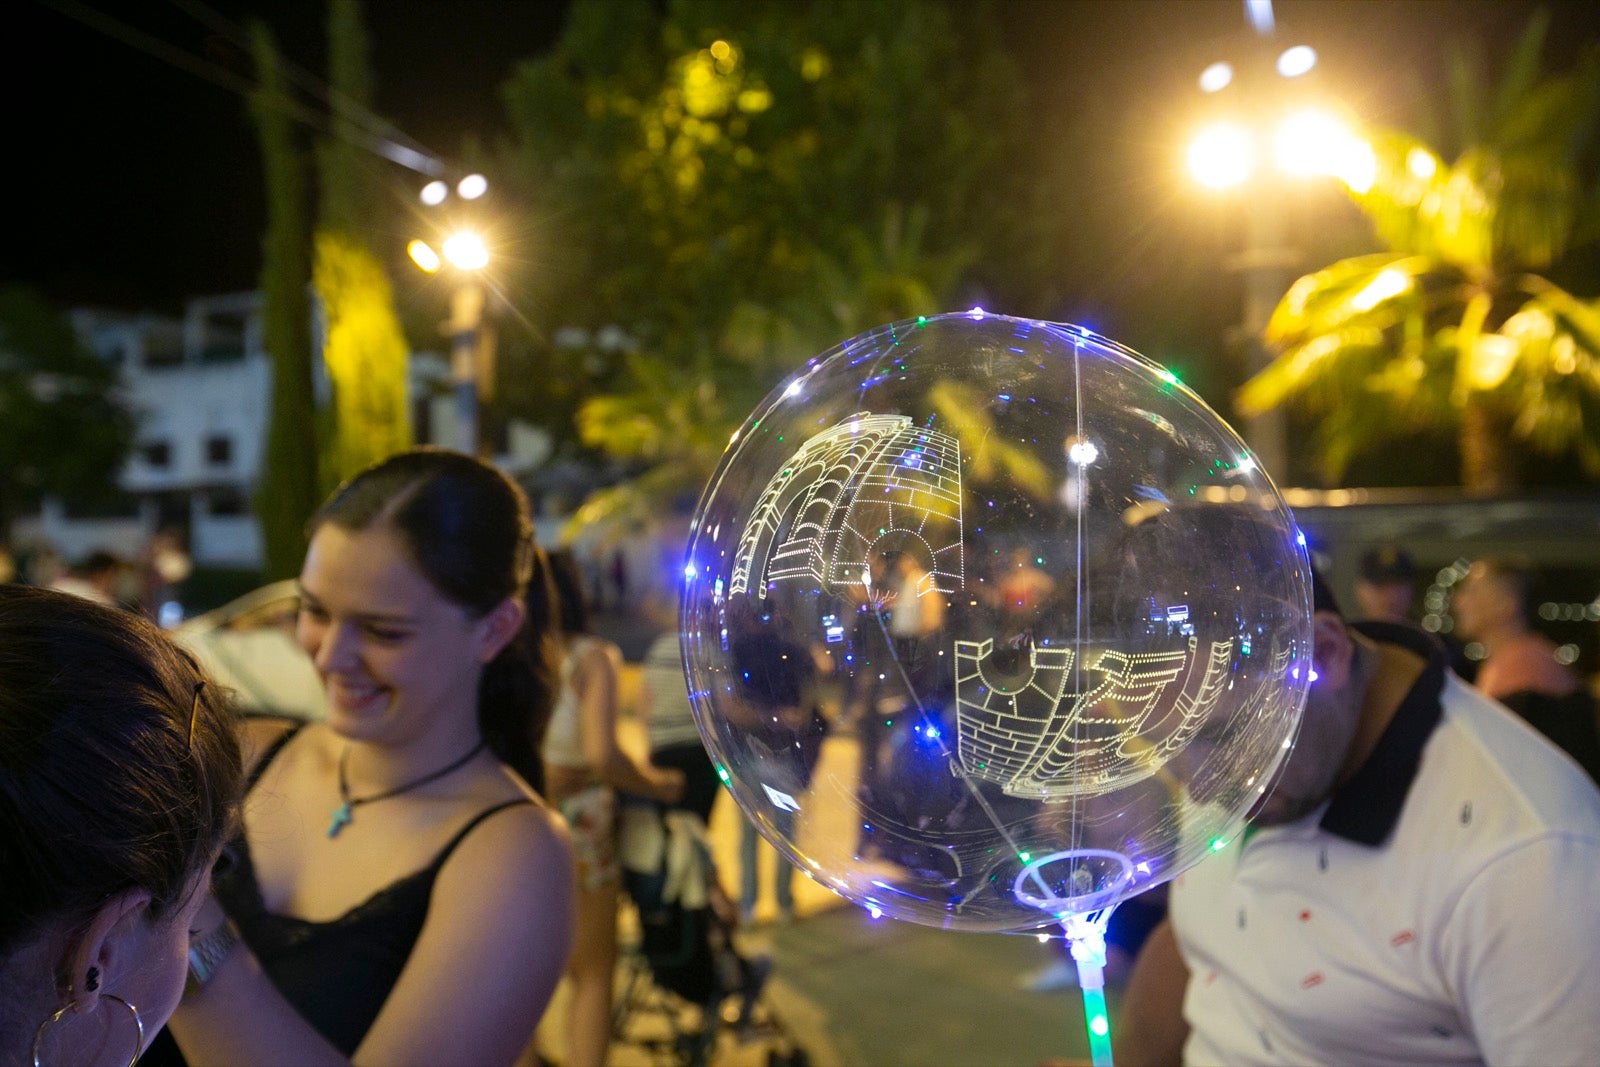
<point>1025,857</point>
<point>722,772</point>
<point>1170,378</point>
<point>1218,844</point>
<point>1099,1027</point>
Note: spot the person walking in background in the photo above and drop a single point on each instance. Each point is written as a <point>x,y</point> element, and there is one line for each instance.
<point>779,687</point>
<point>119,781</point>
<point>398,894</point>
<point>584,768</point>
<point>1520,668</point>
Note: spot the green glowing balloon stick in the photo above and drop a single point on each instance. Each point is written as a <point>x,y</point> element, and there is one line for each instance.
<point>1087,936</point>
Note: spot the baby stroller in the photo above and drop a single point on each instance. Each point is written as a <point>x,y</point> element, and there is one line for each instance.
<point>687,984</point>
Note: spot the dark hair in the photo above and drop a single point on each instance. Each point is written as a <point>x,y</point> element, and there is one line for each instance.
<point>573,616</point>
<point>102,787</point>
<point>468,529</point>
<point>96,563</point>
<point>1388,565</point>
<point>1322,598</point>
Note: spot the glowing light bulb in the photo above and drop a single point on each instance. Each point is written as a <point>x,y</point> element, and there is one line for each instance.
<point>1216,77</point>
<point>1221,156</point>
<point>434,193</point>
<point>472,186</point>
<point>466,250</point>
<point>423,255</point>
<point>1297,60</point>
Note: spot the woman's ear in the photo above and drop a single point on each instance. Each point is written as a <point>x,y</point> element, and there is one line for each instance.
<point>108,946</point>
<point>1331,650</point>
<point>499,627</point>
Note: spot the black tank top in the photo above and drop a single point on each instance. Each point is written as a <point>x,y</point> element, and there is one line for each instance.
<point>337,974</point>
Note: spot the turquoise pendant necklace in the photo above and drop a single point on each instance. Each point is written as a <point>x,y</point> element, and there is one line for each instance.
<point>342,814</point>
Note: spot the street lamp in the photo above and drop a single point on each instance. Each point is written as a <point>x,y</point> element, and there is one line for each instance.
<point>464,251</point>
<point>1269,129</point>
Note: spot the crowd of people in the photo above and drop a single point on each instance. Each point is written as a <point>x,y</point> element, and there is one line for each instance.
<point>409,879</point>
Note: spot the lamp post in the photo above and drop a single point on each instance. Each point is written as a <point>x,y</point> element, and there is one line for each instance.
<point>464,252</point>
<point>1268,130</point>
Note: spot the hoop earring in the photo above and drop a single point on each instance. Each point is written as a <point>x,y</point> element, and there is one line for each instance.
<point>44,1028</point>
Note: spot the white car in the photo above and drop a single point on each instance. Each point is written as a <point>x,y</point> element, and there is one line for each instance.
<point>248,646</point>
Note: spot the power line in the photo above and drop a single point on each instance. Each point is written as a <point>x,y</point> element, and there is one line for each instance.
<point>421,161</point>
<point>398,145</point>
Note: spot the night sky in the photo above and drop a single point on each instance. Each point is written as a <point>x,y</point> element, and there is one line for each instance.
<point>133,184</point>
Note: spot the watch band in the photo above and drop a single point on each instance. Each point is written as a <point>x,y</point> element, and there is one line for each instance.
<point>207,954</point>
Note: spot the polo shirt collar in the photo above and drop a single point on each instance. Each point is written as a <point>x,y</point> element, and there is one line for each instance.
<point>1366,809</point>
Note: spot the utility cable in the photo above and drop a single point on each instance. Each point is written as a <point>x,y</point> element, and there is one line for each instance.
<point>219,75</point>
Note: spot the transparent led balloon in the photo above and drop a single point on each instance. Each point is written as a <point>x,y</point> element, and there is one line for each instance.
<point>1057,616</point>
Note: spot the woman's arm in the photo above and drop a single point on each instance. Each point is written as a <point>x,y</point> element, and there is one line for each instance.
<point>1150,1028</point>
<point>495,944</point>
<point>594,679</point>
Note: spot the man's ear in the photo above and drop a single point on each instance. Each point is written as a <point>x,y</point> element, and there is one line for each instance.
<point>1331,650</point>
<point>107,946</point>
<point>499,627</point>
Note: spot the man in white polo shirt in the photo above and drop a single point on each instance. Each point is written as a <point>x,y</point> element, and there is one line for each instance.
<point>1419,888</point>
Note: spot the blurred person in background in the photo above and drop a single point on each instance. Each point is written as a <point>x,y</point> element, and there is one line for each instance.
<point>783,714</point>
<point>584,768</point>
<point>95,578</point>
<point>1386,585</point>
<point>1493,606</point>
<point>119,782</point>
<point>399,895</point>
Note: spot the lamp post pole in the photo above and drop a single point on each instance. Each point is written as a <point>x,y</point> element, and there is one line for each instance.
<point>1268,131</point>
<point>470,340</point>
<point>466,331</point>
<point>1266,266</point>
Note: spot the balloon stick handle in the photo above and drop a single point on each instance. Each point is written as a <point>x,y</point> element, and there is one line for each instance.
<point>1089,950</point>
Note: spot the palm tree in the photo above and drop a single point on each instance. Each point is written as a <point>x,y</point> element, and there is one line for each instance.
<point>1453,327</point>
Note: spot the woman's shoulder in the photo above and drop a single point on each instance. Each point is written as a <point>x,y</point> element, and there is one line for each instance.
<point>515,833</point>
<point>262,739</point>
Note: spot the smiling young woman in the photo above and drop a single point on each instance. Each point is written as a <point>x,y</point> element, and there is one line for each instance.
<point>400,894</point>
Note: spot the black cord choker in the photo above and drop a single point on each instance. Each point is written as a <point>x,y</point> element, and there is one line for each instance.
<point>342,814</point>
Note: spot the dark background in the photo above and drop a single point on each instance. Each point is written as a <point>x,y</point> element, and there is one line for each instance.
<point>133,184</point>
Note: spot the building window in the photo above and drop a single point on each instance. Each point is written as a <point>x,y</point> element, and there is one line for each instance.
<point>219,451</point>
<point>226,503</point>
<point>157,453</point>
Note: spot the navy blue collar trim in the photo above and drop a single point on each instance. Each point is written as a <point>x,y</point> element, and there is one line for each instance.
<point>1366,809</point>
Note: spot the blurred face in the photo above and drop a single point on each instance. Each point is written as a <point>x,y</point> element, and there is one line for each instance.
<point>1383,600</point>
<point>1479,602</point>
<point>398,660</point>
<point>1333,710</point>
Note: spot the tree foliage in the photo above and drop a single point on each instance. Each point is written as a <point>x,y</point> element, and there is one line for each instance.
<point>287,492</point>
<point>739,186</point>
<point>364,350</point>
<point>1453,328</point>
<point>54,389</point>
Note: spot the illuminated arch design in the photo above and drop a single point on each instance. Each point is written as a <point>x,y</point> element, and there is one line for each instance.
<point>869,479</point>
<point>1036,740</point>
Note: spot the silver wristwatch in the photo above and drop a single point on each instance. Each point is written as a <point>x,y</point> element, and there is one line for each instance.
<point>207,954</point>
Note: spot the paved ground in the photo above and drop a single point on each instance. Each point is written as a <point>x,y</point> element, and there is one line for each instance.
<point>853,991</point>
